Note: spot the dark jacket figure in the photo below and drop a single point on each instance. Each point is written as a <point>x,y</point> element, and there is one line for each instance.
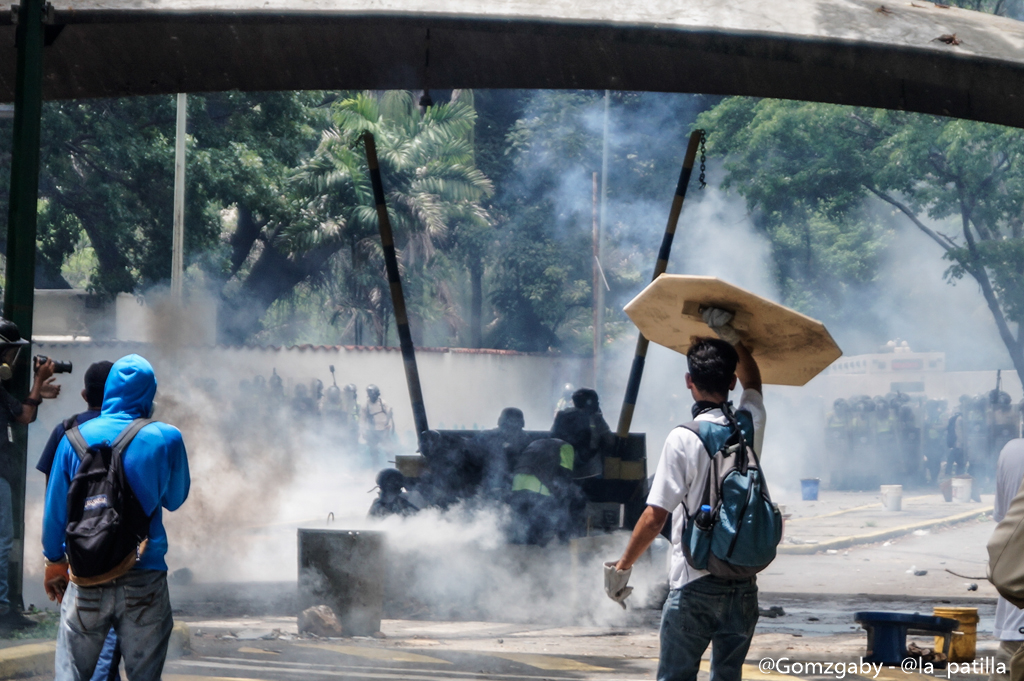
<point>303,404</point>
<point>503,445</point>
<point>543,493</point>
<point>454,469</point>
<point>583,426</point>
<point>391,500</point>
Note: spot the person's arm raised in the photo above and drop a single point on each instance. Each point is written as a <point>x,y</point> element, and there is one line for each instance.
<point>746,370</point>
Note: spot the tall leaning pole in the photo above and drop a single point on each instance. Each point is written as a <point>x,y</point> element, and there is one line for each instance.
<point>636,371</point>
<point>19,287</point>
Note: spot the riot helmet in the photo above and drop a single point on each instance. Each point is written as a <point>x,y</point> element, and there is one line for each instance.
<point>333,394</point>
<point>351,390</point>
<point>372,392</point>
<point>390,481</point>
<point>511,419</point>
<point>586,399</point>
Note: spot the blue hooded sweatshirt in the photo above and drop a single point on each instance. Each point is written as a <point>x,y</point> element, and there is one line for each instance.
<point>155,462</point>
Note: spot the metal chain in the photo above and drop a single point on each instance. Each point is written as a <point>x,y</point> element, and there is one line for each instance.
<point>703,158</point>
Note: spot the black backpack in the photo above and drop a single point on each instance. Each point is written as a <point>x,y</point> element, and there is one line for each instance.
<point>107,528</point>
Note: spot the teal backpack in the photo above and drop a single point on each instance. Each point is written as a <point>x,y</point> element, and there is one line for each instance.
<point>735,532</point>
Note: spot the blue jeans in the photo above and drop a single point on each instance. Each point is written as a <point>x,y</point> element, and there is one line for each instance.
<point>138,608</point>
<point>706,611</point>
<point>6,539</point>
<point>110,658</point>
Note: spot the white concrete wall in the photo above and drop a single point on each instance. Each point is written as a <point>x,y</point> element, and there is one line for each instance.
<point>461,388</point>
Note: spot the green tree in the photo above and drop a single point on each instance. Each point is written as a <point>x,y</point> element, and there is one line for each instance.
<point>433,191</point>
<point>108,173</point>
<point>805,167</point>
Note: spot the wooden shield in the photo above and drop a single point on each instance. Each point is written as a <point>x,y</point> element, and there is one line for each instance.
<point>790,348</point>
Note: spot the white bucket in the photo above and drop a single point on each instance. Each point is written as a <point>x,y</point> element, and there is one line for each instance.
<point>962,489</point>
<point>892,497</point>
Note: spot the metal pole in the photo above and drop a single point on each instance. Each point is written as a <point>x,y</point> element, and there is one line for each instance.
<point>597,287</point>
<point>19,288</point>
<point>387,240</point>
<point>636,372</point>
<point>599,251</point>
<point>178,235</point>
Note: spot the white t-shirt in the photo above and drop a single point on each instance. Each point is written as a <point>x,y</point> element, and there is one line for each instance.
<point>1009,473</point>
<point>681,473</point>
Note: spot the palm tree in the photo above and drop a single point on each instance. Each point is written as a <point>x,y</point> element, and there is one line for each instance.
<point>433,191</point>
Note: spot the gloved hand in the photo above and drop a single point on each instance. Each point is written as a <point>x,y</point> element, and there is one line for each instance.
<point>615,581</point>
<point>55,580</point>
<point>720,322</point>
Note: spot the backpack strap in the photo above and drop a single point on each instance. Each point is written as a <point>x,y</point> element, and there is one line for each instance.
<point>128,434</point>
<point>122,441</point>
<point>694,427</point>
<point>76,440</point>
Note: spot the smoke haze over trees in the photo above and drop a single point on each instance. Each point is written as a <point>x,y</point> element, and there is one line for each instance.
<point>491,196</point>
<point>811,173</point>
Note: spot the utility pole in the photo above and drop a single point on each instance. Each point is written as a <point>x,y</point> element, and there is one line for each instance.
<point>178,234</point>
<point>19,288</point>
<point>599,252</point>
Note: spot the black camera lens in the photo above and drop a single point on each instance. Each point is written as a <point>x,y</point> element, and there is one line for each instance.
<point>58,367</point>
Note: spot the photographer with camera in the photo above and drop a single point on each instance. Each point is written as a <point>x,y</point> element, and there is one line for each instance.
<point>14,411</point>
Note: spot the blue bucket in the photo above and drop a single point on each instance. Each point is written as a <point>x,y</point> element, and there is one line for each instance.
<point>809,488</point>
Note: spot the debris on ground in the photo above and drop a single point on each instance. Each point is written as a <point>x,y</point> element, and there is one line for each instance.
<point>920,573</point>
<point>972,587</point>
<point>925,654</point>
<point>949,39</point>
<point>319,620</point>
<point>772,612</point>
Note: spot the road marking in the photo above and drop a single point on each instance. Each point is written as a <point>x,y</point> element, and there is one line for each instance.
<point>257,651</point>
<point>751,672</point>
<point>193,677</point>
<point>387,654</point>
<point>306,669</point>
<point>350,672</point>
<point>548,662</point>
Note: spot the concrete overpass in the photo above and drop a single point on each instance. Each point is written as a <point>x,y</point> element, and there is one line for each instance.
<point>879,53</point>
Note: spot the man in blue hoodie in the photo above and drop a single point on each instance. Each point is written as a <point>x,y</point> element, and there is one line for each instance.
<point>135,604</point>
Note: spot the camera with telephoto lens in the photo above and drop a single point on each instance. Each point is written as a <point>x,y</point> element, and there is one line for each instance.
<point>58,367</point>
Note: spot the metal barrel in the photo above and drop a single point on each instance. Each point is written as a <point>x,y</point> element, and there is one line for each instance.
<point>387,240</point>
<point>636,371</point>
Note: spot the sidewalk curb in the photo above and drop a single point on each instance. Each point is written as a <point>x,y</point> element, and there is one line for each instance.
<point>881,535</point>
<point>27,660</point>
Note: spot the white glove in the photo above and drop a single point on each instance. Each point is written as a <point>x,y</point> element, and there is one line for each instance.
<point>615,583</point>
<point>720,322</point>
